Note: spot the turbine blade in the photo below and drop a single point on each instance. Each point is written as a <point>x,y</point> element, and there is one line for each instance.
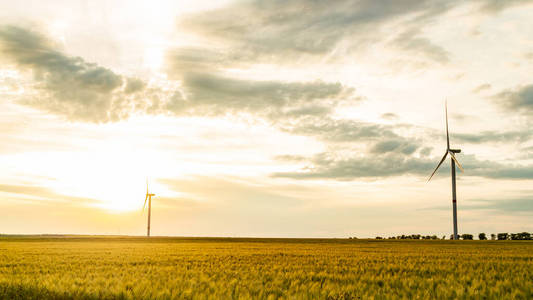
<point>440,163</point>
<point>457,162</point>
<point>147,184</point>
<point>145,199</point>
<point>447,135</point>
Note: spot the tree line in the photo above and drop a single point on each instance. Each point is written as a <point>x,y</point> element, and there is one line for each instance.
<point>466,236</point>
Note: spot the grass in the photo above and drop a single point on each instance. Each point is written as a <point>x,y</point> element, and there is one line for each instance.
<point>52,267</point>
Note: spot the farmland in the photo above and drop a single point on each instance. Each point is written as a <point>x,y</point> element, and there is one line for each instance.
<point>78,267</point>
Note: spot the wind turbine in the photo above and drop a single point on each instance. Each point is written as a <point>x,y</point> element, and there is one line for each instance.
<point>453,162</point>
<point>149,199</point>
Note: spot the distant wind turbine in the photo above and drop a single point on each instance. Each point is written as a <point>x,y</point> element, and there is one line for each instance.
<point>453,162</point>
<point>149,199</point>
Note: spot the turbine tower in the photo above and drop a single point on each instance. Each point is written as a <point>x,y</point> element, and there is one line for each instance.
<point>149,199</point>
<point>453,162</point>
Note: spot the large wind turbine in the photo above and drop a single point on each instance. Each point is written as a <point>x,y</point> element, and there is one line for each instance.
<point>149,199</point>
<point>453,162</point>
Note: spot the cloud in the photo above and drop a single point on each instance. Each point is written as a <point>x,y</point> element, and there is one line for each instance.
<point>520,205</point>
<point>494,136</point>
<point>425,152</point>
<point>134,85</point>
<point>482,87</point>
<point>83,91</point>
<point>68,85</point>
<point>339,130</point>
<point>395,145</point>
<point>411,41</point>
<point>295,31</point>
<point>491,169</point>
<point>493,6</point>
<point>390,116</point>
<point>387,164</point>
<point>284,30</point>
<point>517,100</point>
<point>233,193</point>
<point>42,192</point>
<point>326,166</point>
<point>210,94</point>
<point>194,59</point>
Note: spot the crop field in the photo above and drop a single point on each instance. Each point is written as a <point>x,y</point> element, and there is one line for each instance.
<point>78,267</point>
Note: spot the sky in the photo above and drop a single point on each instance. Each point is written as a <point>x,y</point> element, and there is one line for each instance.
<point>273,118</point>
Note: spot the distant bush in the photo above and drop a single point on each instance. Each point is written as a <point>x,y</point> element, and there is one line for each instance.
<point>482,236</point>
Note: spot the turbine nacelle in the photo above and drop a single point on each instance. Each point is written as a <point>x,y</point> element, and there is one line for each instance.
<point>448,149</point>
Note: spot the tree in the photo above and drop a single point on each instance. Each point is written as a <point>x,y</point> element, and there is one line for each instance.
<point>467,236</point>
<point>492,236</point>
<point>482,236</point>
<point>503,236</point>
<point>525,235</point>
<point>521,236</point>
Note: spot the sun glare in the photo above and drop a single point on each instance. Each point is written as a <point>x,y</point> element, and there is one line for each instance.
<point>153,58</point>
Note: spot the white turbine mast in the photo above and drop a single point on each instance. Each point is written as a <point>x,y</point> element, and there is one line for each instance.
<point>149,199</point>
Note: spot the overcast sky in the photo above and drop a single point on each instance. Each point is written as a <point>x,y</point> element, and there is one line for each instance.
<point>265,118</point>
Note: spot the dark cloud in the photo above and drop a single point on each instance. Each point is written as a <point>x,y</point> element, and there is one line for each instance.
<point>83,91</point>
<point>395,145</point>
<point>425,152</point>
<point>517,100</point>
<point>134,85</point>
<point>67,85</point>
<point>209,94</point>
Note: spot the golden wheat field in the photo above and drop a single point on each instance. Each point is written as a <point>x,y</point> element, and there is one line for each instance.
<point>222,268</point>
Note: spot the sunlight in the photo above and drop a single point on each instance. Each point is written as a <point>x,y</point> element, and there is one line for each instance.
<point>153,58</point>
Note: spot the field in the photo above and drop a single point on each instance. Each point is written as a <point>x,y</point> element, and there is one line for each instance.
<point>219,268</point>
